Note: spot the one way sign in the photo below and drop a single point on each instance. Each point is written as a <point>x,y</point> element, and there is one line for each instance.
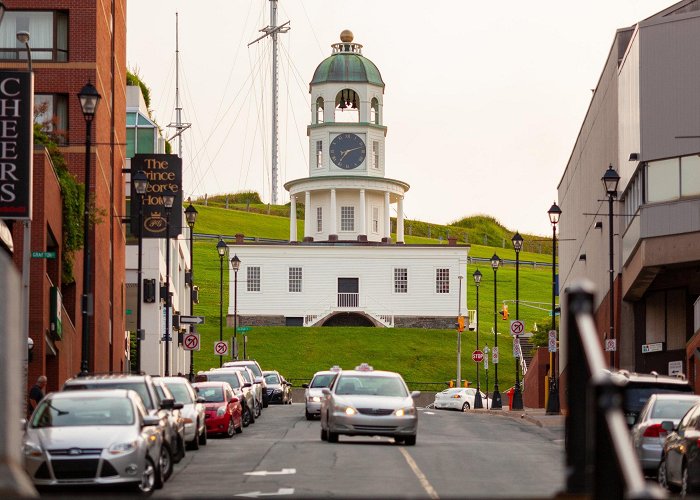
<point>192,320</point>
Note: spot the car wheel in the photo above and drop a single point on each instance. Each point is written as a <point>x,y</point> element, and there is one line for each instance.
<point>332,437</point>
<point>686,486</point>
<point>465,407</point>
<point>409,440</point>
<point>258,409</point>
<point>148,480</point>
<point>309,416</point>
<point>230,430</point>
<point>239,429</point>
<point>246,416</point>
<point>203,437</point>
<point>398,439</point>
<point>194,444</point>
<point>324,434</point>
<point>166,463</point>
<point>662,476</point>
<point>180,450</point>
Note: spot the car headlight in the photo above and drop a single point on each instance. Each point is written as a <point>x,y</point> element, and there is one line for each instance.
<point>119,448</point>
<point>348,410</point>
<point>32,449</point>
<point>221,411</point>
<point>314,399</point>
<point>404,412</point>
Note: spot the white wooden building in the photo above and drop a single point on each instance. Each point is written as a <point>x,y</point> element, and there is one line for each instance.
<point>347,270</point>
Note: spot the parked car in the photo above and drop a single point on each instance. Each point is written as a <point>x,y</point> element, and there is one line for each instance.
<point>96,437</point>
<point>647,434</point>
<point>257,388</point>
<point>459,398</point>
<point>192,410</point>
<point>679,466</point>
<point>173,449</point>
<point>278,389</point>
<point>371,403</point>
<point>314,391</point>
<point>223,410</point>
<point>257,374</point>
<point>242,389</point>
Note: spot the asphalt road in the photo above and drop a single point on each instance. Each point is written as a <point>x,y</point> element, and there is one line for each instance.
<point>476,455</point>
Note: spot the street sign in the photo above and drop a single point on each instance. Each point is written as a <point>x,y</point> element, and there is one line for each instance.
<point>43,255</point>
<point>552,346</point>
<point>191,320</point>
<point>611,345</point>
<point>655,347</point>
<point>517,327</point>
<point>516,347</point>
<point>190,342</point>
<point>478,356</point>
<point>221,348</point>
<point>242,329</point>
<point>675,367</point>
<point>494,355</point>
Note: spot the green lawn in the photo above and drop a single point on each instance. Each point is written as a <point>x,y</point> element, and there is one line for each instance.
<point>421,355</point>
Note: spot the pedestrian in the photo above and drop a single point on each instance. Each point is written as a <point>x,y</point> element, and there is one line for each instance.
<point>36,393</point>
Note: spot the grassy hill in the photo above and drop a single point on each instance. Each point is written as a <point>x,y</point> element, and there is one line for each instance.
<point>421,355</point>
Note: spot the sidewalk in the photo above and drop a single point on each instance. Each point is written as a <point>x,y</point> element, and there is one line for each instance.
<point>536,416</point>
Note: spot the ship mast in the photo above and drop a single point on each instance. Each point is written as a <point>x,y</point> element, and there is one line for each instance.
<point>272,30</point>
<point>178,125</point>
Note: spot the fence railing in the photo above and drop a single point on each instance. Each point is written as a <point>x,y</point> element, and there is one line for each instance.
<point>600,460</point>
<point>348,299</point>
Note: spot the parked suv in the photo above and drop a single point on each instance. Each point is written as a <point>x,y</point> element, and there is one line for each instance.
<point>638,388</point>
<point>257,371</point>
<point>173,439</point>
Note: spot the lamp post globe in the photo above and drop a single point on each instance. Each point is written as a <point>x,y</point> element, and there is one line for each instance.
<point>554,213</point>
<point>496,403</point>
<point>478,403</point>
<point>89,99</point>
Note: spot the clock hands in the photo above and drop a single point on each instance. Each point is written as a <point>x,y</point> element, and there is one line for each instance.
<point>344,153</point>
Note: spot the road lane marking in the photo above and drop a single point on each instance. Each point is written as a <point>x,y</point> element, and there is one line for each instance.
<point>256,494</point>
<point>429,412</point>
<point>419,474</point>
<point>270,472</point>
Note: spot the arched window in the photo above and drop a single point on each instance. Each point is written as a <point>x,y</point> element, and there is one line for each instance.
<point>347,107</point>
<point>374,112</point>
<point>319,110</point>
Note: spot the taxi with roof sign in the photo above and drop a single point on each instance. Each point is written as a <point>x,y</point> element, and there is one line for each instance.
<point>369,402</point>
<point>314,394</point>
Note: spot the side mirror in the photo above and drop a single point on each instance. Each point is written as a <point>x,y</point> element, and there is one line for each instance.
<point>305,386</point>
<point>149,421</point>
<point>247,384</point>
<point>167,404</point>
<point>178,406</point>
<point>415,394</point>
<point>326,391</point>
<point>200,399</point>
<point>668,426</point>
<point>234,400</point>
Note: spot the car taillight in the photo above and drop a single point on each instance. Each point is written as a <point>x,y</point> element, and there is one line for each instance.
<point>654,431</point>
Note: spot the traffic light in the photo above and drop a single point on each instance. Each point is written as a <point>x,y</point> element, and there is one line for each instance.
<point>460,323</point>
<point>504,312</point>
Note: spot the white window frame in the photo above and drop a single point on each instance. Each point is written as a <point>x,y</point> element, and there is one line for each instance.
<point>319,154</point>
<point>296,277</point>
<point>375,155</point>
<point>401,280</point>
<point>319,219</point>
<point>442,280</point>
<point>347,219</point>
<point>253,283</point>
<point>375,220</point>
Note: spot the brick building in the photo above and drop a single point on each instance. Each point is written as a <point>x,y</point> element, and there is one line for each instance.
<point>73,42</point>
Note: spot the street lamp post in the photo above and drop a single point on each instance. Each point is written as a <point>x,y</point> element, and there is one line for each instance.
<point>221,248</point>
<point>89,99</point>
<point>496,403</point>
<point>191,217</point>
<point>477,398</point>
<point>23,37</point>
<point>517,395</point>
<point>553,399</point>
<point>236,264</point>
<point>168,200</point>
<point>139,181</point>
<point>459,334</point>
<point>610,180</point>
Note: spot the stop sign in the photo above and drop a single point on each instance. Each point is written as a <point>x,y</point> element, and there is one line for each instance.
<point>478,356</point>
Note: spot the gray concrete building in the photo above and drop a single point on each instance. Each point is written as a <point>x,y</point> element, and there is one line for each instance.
<point>644,120</point>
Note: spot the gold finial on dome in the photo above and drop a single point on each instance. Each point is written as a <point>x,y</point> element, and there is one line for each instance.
<point>346,36</point>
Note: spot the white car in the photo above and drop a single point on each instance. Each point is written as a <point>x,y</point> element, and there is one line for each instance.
<point>314,391</point>
<point>192,410</point>
<point>459,398</point>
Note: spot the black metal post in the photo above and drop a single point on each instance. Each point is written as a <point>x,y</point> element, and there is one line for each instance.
<point>612,278</point>
<point>235,316</point>
<point>168,302</point>
<point>496,403</point>
<point>517,395</point>
<point>221,304</point>
<point>139,282</point>
<point>192,327</point>
<point>478,403</point>
<point>553,399</point>
<point>87,272</point>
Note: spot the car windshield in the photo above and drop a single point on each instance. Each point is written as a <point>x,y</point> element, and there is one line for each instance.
<point>76,412</point>
<point>636,397</point>
<point>246,376</point>
<point>371,386</point>
<point>211,394</point>
<point>671,409</point>
<point>231,378</point>
<point>180,392</point>
<point>252,366</point>
<point>139,387</point>
<point>323,380</point>
<point>272,378</point>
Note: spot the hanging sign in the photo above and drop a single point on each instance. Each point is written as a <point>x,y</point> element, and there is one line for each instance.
<point>164,172</point>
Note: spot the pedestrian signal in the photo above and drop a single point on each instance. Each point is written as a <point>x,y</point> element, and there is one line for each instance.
<point>504,312</point>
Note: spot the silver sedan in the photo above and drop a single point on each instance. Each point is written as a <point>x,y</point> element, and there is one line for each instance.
<point>314,391</point>
<point>370,403</point>
<point>192,410</point>
<point>93,437</point>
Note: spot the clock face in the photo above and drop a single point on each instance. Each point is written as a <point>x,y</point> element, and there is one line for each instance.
<point>348,151</point>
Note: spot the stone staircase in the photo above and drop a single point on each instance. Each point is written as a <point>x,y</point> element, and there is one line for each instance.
<point>527,347</point>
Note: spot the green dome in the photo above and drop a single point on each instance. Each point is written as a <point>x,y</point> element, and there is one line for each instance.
<point>347,67</point>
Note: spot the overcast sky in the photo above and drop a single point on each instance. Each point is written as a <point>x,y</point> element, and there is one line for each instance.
<point>483,100</point>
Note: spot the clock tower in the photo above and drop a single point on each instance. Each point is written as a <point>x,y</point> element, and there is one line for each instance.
<point>347,196</point>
